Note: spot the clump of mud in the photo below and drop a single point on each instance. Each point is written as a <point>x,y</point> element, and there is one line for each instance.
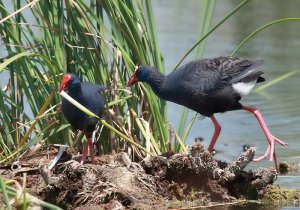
<point>154,183</point>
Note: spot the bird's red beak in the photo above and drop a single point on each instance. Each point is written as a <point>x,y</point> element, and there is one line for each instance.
<point>133,79</point>
<point>65,82</point>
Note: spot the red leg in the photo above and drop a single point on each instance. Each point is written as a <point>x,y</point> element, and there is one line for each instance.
<point>271,139</point>
<point>91,150</point>
<point>84,153</point>
<point>216,134</point>
<point>89,143</point>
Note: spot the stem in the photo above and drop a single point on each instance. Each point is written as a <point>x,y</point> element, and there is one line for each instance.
<point>5,194</point>
<point>262,28</point>
<point>211,30</point>
<point>36,119</point>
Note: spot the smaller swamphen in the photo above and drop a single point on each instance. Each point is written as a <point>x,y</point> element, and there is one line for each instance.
<point>210,86</point>
<point>91,97</point>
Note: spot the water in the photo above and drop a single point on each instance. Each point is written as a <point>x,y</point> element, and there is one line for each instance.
<point>256,206</point>
<point>177,28</point>
<point>279,46</point>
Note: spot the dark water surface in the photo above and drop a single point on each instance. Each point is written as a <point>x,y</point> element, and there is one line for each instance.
<point>279,46</point>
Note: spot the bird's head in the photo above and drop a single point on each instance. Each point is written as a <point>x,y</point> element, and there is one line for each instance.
<point>69,81</point>
<point>141,74</point>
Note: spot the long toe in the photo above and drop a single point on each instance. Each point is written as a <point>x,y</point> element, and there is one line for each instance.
<point>279,141</point>
<point>267,153</point>
<point>271,148</point>
<point>272,139</point>
<point>270,152</point>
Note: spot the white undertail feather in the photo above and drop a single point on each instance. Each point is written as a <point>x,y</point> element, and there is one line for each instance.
<point>244,88</point>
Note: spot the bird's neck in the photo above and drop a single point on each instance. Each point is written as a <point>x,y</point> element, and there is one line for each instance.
<point>156,81</point>
<point>74,89</point>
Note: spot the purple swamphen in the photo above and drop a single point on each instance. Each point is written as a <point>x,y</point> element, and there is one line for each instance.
<point>91,97</point>
<point>210,86</point>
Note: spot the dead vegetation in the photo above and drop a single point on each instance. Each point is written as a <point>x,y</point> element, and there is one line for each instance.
<point>155,183</point>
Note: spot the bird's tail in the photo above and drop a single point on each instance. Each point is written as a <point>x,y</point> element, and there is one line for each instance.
<point>250,73</point>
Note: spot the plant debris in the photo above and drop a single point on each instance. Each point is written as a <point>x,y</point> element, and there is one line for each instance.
<point>154,183</point>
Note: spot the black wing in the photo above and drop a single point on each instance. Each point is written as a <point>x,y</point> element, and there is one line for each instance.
<point>209,76</point>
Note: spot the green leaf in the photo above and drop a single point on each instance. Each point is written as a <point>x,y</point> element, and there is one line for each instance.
<point>14,58</point>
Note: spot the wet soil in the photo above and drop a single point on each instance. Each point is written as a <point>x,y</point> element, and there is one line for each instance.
<point>160,182</point>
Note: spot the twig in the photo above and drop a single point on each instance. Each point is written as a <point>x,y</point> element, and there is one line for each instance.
<point>26,170</point>
<point>57,157</point>
<point>19,10</point>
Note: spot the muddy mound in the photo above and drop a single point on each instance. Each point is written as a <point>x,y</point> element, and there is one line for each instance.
<point>154,183</point>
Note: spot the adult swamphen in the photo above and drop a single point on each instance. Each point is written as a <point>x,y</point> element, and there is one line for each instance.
<point>210,86</point>
<point>91,97</point>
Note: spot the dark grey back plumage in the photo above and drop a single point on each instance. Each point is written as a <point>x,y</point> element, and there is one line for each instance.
<point>205,86</point>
